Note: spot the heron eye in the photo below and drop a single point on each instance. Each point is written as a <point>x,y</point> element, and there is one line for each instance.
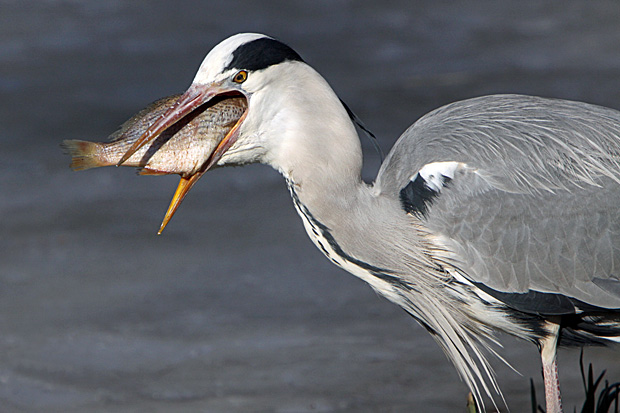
<point>240,77</point>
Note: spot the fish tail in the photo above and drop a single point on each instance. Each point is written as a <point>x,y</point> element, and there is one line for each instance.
<point>84,155</point>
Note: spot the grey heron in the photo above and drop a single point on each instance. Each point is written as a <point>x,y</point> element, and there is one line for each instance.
<point>494,214</point>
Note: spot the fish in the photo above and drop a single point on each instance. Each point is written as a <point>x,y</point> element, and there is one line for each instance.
<point>182,149</point>
<point>185,148</point>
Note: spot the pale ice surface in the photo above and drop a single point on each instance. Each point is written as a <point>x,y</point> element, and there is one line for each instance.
<point>232,309</point>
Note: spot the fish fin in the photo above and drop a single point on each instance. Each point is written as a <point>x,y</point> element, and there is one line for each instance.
<point>148,171</point>
<point>149,114</point>
<point>84,155</point>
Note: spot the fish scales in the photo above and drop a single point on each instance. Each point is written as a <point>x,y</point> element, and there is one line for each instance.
<point>182,149</point>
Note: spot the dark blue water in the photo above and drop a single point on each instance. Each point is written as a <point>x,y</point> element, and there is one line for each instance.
<point>233,309</point>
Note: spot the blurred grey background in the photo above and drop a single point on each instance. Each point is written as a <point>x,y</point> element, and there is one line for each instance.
<point>232,309</point>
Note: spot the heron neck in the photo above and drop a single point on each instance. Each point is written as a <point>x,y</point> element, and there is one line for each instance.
<point>326,174</point>
<point>317,150</point>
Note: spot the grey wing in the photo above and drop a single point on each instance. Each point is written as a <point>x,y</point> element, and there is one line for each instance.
<point>531,197</point>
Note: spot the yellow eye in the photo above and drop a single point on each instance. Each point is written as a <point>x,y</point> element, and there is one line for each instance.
<point>240,76</point>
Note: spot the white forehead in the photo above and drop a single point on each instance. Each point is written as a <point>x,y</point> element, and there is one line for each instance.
<point>221,55</point>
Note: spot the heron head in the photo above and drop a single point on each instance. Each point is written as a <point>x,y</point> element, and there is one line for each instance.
<point>243,65</point>
<point>257,67</point>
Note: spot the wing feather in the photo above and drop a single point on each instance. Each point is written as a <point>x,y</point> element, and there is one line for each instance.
<point>537,207</point>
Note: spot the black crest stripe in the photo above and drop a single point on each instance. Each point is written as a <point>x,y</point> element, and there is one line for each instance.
<point>262,53</point>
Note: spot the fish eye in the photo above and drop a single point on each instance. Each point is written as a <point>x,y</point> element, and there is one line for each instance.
<point>240,77</point>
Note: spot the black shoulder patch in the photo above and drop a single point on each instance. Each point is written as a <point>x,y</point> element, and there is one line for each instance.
<point>262,53</point>
<point>417,197</point>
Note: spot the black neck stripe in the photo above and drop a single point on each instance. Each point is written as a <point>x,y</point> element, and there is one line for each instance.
<point>260,54</point>
<point>381,273</point>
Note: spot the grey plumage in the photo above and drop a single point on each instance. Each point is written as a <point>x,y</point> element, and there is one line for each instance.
<point>538,207</point>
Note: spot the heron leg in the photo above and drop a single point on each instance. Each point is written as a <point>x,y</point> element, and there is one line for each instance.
<point>548,346</point>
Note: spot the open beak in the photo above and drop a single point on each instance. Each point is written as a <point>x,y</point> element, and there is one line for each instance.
<point>186,183</point>
<point>194,97</point>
